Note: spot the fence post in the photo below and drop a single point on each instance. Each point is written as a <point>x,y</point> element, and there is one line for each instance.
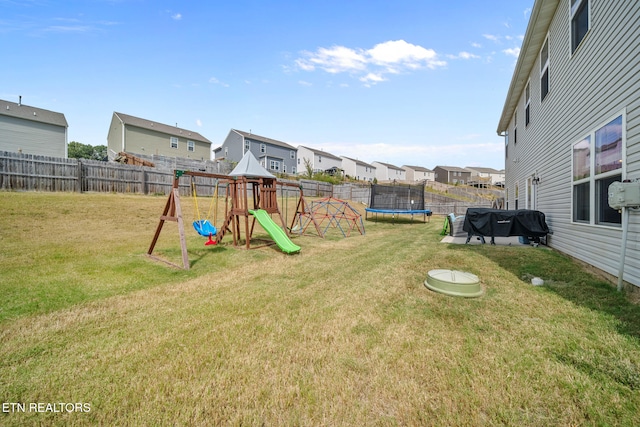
<point>144,181</point>
<point>79,176</point>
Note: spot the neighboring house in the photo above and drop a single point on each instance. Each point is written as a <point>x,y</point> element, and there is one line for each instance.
<point>31,130</point>
<point>275,156</point>
<point>319,161</point>
<point>388,172</point>
<point>570,122</point>
<point>451,175</point>
<point>141,136</point>
<point>488,176</point>
<point>418,173</point>
<point>358,169</point>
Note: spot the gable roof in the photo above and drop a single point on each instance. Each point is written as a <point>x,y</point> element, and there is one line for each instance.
<point>249,166</point>
<point>264,139</point>
<point>541,16</point>
<point>483,170</point>
<point>321,153</point>
<point>389,166</point>
<point>359,162</point>
<point>159,127</point>
<point>26,112</point>
<point>453,169</point>
<point>417,168</point>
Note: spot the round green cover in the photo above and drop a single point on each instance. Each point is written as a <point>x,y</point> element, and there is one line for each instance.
<point>455,283</point>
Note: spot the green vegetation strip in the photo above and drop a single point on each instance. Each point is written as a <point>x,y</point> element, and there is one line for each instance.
<point>346,333</point>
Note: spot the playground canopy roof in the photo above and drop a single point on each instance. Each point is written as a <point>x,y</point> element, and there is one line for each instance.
<point>250,167</point>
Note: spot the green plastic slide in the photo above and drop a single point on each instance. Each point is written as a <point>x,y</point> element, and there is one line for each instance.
<point>275,231</point>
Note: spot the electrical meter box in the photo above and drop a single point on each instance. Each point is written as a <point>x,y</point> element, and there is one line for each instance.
<point>624,194</point>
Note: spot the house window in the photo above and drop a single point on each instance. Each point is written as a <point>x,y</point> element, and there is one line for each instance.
<point>173,142</point>
<point>284,168</point>
<point>515,128</point>
<point>293,170</point>
<point>191,146</point>
<point>544,70</point>
<point>597,161</point>
<point>527,104</point>
<point>274,165</point>
<point>579,22</point>
<point>319,159</point>
<point>263,148</point>
<point>247,145</point>
<point>226,152</point>
<point>292,154</point>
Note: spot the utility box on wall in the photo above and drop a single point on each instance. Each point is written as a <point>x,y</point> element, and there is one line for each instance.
<point>624,194</point>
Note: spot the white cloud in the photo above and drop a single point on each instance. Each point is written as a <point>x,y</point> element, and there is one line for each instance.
<point>337,59</point>
<point>371,79</point>
<point>400,52</point>
<point>176,16</point>
<point>199,122</point>
<point>476,45</point>
<point>215,81</point>
<point>69,29</point>
<point>491,37</point>
<point>463,55</point>
<point>514,51</point>
<point>370,65</point>
<point>304,83</point>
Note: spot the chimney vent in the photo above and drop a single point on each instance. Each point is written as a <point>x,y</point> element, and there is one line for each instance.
<point>20,100</point>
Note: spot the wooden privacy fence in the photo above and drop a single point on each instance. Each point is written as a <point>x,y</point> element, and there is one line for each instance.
<point>26,172</point>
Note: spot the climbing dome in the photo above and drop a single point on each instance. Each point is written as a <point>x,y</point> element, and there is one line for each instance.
<point>330,213</point>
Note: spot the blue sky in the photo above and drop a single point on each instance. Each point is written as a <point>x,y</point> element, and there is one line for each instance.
<point>403,82</point>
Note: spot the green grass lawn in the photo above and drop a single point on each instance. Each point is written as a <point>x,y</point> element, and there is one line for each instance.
<point>344,333</point>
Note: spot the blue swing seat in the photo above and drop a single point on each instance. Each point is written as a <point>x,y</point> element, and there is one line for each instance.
<point>205,228</point>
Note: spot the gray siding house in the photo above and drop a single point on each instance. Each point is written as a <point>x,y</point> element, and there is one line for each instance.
<point>451,175</point>
<point>32,130</point>
<point>275,156</point>
<point>141,136</point>
<point>571,122</point>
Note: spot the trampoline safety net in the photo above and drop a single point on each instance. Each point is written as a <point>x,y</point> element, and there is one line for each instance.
<point>397,197</point>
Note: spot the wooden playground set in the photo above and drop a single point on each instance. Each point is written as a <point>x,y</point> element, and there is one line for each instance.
<point>249,199</point>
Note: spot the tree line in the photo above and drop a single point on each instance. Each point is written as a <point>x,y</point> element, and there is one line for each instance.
<point>77,150</point>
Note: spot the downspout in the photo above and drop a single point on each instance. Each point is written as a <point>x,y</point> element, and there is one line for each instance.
<point>623,250</point>
<point>122,122</point>
<point>66,142</point>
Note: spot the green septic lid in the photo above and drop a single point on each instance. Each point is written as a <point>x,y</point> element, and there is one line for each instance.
<point>455,283</point>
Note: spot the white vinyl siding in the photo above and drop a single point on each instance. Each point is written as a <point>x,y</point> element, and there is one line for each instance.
<point>588,89</point>
<point>25,136</point>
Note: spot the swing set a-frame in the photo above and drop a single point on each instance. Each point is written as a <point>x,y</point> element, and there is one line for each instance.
<point>246,197</point>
